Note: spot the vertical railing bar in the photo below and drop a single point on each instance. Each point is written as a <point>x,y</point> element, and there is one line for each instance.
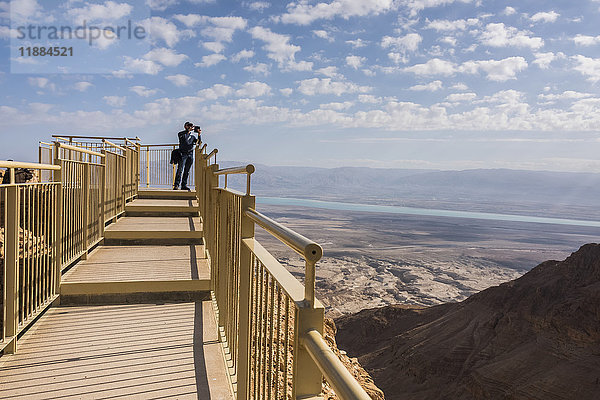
<point>278,351</point>
<point>271,326</point>
<point>287,344</point>
<point>37,295</point>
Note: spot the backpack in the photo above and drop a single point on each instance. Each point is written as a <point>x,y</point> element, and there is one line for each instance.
<point>175,157</point>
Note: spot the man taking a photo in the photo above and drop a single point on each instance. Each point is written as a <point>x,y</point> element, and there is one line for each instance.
<point>186,148</point>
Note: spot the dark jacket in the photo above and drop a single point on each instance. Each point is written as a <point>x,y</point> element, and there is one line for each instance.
<point>186,141</point>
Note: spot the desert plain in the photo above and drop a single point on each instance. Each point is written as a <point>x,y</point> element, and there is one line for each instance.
<point>376,259</point>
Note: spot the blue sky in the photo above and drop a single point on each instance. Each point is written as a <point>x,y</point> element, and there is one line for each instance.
<point>445,84</point>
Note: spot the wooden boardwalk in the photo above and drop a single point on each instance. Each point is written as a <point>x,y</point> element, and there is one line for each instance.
<point>166,345</point>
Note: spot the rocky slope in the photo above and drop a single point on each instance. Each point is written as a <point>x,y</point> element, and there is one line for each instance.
<point>537,337</point>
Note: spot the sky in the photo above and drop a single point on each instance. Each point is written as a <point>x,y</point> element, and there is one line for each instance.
<point>440,84</point>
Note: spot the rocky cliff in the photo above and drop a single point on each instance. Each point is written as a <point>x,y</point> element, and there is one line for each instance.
<point>537,337</point>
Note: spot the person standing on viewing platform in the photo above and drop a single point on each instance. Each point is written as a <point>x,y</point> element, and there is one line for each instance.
<point>186,149</point>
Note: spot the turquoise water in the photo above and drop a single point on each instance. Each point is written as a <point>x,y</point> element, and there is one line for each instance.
<point>334,205</point>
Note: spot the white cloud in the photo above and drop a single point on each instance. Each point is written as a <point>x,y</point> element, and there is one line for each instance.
<point>408,42</point>
<point>499,35</point>
<point>355,61</point>
<point>24,10</point>
<point>509,11</point>
<point>330,71</point>
<point>589,67</point>
<point>435,66</point>
<point>429,87</point>
<point>210,60</point>
<point>258,68</point>
<point>358,43</point>
<point>143,91</point>
<point>459,86</point>
<point>323,35</point>
<point>242,55</point>
<point>159,28</point>
<point>215,92</point>
<point>505,98</point>
<point>315,86</point>
<point>496,70</point>
<point>584,40</point>
<point>449,40</point>
<point>566,95</point>
<point>286,91</point>
<point>42,83</point>
<point>179,80</point>
<point>115,101</point>
<point>222,29</point>
<point>278,48</point>
<point>460,97</point>
<point>368,99</point>
<point>167,57</point>
<point>543,60</point>
<point>417,5</point>
<point>254,89</point>
<point>160,5</point>
<point>550,16</point>
<point>190,20</point>
<point>258,5</point>
<point>443,25</point>
<point>215,47</point>
<point>7,33</point>
<point>137,65</point>
<point>110,11</point>
<point>336,106</point>
<point>302,13</point>
<point>82,86</point>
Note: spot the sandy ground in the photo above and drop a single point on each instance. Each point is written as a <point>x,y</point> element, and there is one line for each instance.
<point>373,259</point>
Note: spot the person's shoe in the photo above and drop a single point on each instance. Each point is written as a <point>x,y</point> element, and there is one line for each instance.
<point>175,187</point>
<point>186,188</point>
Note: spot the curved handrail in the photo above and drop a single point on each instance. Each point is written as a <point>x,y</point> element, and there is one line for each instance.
<point>212,153</point>
<point>16,164</point>
<point>307,248</point>
<point>79,149</point>
<point>116,146</point>
<point>245,169</point>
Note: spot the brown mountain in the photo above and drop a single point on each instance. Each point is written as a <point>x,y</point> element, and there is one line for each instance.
<point>537,337</point>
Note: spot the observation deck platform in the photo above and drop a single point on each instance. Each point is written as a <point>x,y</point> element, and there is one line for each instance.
<point>135,319</point>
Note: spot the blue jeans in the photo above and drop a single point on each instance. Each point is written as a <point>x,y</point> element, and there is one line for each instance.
<point>187,159</point>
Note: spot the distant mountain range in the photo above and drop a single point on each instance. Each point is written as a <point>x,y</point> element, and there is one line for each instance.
<point>537,337</point>
<point>542,193</point>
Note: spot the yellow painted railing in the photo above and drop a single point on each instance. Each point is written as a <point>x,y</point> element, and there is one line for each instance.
<point>271,325</point>
<point>48,225</point>
<point>156,171</point>
<point>29,265</point>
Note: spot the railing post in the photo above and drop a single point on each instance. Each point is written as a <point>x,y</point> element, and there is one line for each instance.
<point>11,262</point>
<point>308,376</point>
<point>147,166</point>
<point>244,358</point>
<point>102,193</point>
<point>58,212</point>
<point>222,257</point>
<point>86,212</point>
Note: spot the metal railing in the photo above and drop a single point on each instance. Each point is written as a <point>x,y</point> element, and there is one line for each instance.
<point>271,325</point>
<point>46,226</point>
<point>29,265</point>
<point>155,168</point>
